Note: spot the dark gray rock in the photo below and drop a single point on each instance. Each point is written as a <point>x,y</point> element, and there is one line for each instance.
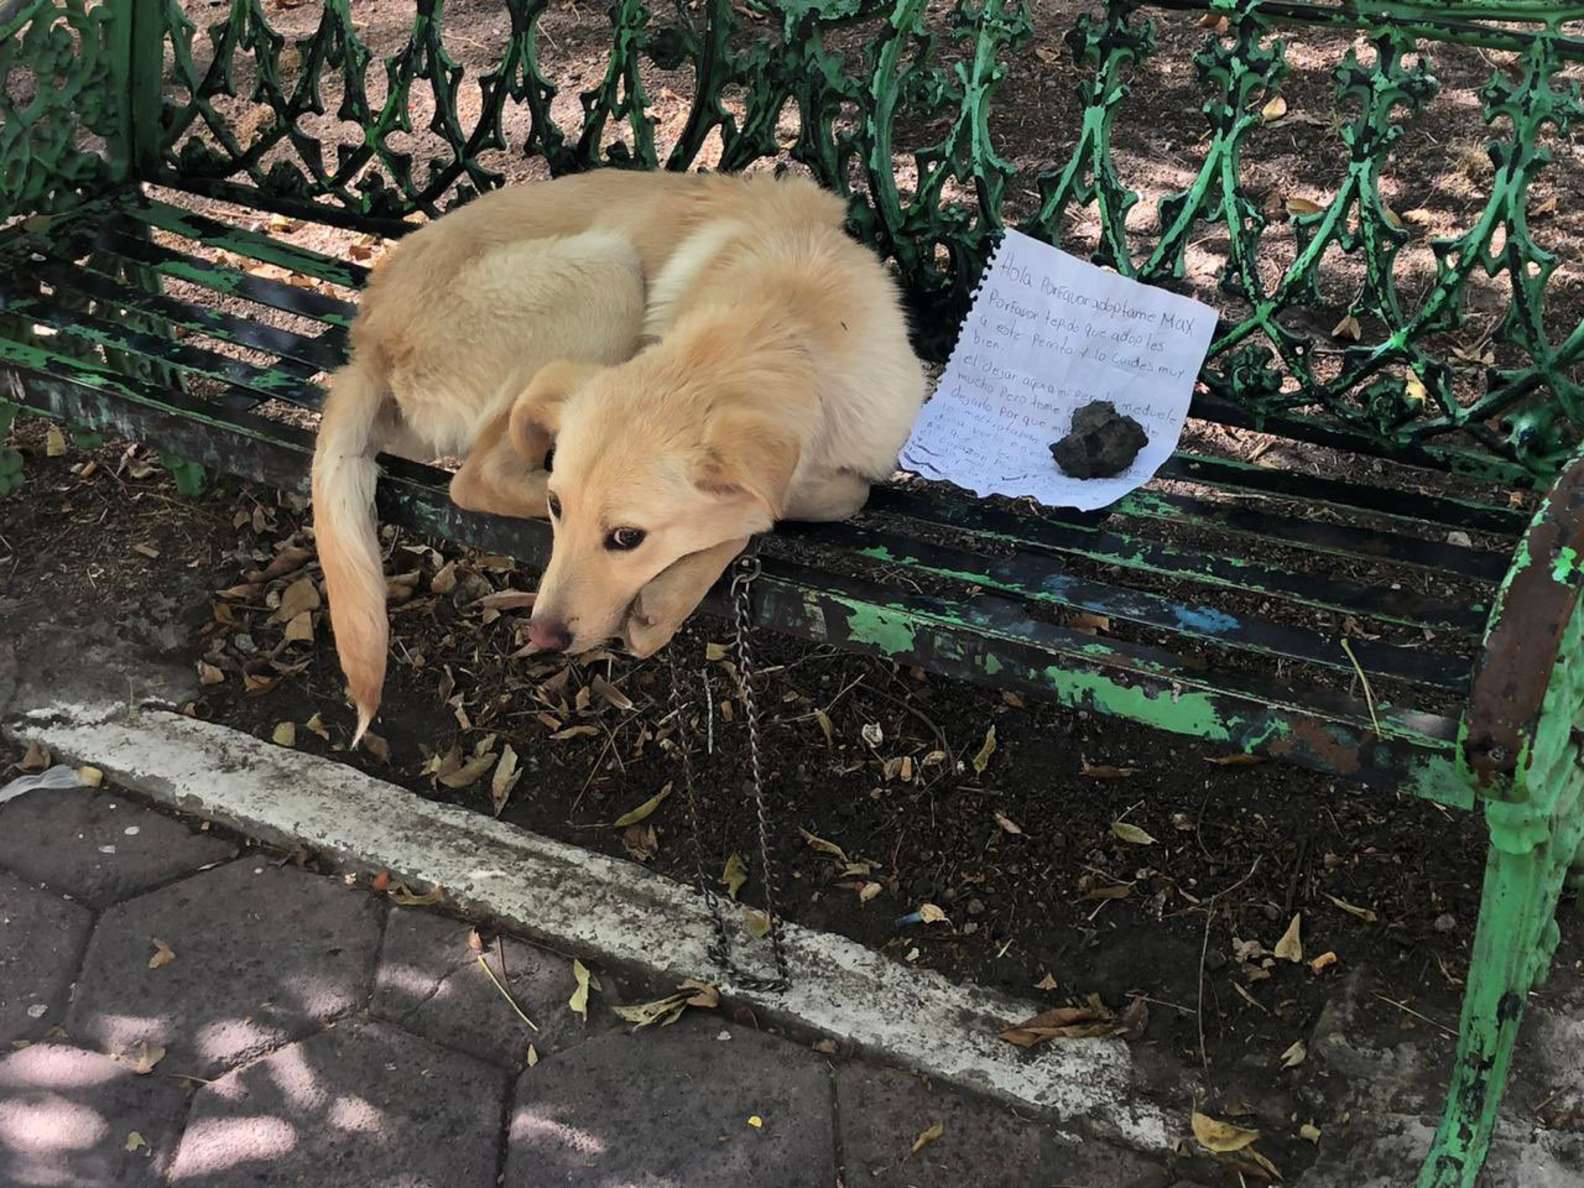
<point>1102,442</point>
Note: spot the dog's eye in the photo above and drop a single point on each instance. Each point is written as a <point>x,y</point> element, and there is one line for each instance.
<point>624,539</point>
<point>555,507</point>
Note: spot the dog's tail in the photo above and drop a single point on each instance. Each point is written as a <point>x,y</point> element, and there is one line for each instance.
<point>344,477</point>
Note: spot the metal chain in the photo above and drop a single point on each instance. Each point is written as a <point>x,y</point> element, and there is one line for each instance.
<point>720,949</point>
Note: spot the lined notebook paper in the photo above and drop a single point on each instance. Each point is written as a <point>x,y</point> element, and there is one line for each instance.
<point>1047,334</point>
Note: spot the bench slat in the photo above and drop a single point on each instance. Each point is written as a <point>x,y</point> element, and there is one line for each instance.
<point>251,244</point>
<point>297,353</point>
<point>1060,536</point>
<point>265,383</point>
<point>1038,580</point>
<point>230,281</point>
<point>1343,540</point>
<point>1441,510</point>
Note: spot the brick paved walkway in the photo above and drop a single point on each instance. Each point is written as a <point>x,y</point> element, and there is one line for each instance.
<point>304,1032</point>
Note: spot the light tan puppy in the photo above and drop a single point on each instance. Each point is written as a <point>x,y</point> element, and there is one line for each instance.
<point>774,381</point>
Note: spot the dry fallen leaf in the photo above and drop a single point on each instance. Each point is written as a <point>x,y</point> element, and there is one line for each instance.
<point>1221,1137</point>
<point>533,1056</point>
<point>445,579</point>
<point>927,1136</point>
<point>574,732</point>
<point>36,758</point>
<point>1132,834</point>
<point>1239,760</point>
<point>134,1140</point>
<point>401,896</point>
<point>285,734</point>
<point>142,1058</point>
<point>872,733</point>
<point>315,725</point>
<point>1008,824</point>
<point>301,595</point>
<point>1290,947</point>
<point>1322,962</point>
<point>208,674</point>
<point>1264,1163</point>
<point>91,777</point>
<point>1295,1055</point>
<point>300,629</point>
<point>54,442</point>
<point>1114,891</point>
<point>641,842</point>
<point>1048,982</point>
<point>612,695</point>
<point>579,1000</point>
<point>1302,206</point>
<point>824,721</point>
<point>1348,328</point>
<point>1364,914</point>
<point>929,913</point>
<point>470,772</point>
<point>163,954</point>
<point>669,1009</point>
<point>1135,1020</point>
<point>503,600</point>
<point>714,651</point>
<point>376,745</point>
<point>1103,771</point>
<point>1274,110</point>
<point>757,924</point>
<point>735,874</point>
<point>1090,1021</point>
<point>825,847</point>
<point>146,550</point>
<point>868,891</point>
<point>643,810</point>
<point>505,779</point>
<point>986,749</point>
<point>1310,1132</point>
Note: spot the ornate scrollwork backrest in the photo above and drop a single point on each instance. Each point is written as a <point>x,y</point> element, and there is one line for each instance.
<point>891,103</point>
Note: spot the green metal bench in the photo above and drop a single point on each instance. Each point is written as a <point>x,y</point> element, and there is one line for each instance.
<point>1392,628</point>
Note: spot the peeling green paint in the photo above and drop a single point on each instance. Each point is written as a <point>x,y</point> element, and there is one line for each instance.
<point>1565,567</point>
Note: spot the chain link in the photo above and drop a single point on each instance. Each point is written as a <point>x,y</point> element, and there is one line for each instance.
<point>720,948</point>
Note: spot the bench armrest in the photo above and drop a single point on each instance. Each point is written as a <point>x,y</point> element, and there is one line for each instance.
<point>1536,601</point>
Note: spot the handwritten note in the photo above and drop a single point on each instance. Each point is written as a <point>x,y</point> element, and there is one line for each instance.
<point>1047,334</point>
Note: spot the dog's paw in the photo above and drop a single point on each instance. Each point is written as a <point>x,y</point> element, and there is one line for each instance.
<point>644,634</point>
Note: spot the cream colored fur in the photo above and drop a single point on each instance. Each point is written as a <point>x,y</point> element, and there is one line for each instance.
<point>774,381</point>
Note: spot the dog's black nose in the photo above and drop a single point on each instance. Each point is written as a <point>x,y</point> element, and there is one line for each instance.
<point>549,637</point>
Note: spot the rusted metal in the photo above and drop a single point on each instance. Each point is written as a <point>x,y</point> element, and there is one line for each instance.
<point>1533,608</point>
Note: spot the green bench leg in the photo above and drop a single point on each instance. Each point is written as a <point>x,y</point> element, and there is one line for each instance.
<point>1533,848</point>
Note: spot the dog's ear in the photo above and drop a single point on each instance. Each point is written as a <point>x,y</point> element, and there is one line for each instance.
<point>536,415</point>
<point>748,456</point>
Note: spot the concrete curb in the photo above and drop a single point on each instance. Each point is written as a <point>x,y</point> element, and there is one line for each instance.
<point>614,910</point>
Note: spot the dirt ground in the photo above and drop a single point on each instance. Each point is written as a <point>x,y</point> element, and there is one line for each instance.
<point>1043,894</point>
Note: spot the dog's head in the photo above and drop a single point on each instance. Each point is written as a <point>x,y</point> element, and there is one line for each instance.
<point>650,465</point>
